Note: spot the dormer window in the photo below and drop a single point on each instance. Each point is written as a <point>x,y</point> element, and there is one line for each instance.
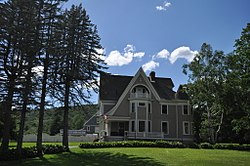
<point>139,92</point>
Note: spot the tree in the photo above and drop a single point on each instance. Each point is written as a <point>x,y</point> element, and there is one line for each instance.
<point>207,76</point>
<point>12,61</point>
<point>79,62</point>
<point>50,17</point>
<point>238,84</point>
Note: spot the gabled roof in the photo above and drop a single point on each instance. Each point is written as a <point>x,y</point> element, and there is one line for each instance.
<point>112,86</point>
<point>92,121</point>
<point>181,94</point>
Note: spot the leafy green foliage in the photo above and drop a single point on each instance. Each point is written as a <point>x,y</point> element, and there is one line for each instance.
<point>53,120</point>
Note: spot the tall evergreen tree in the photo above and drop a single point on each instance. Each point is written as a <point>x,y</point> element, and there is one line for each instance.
<point>79,61</point>
<point>50,16</point>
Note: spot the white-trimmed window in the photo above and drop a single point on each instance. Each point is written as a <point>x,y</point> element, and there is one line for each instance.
<point>132,108</point>
<point>185,110</point>
<point>88,128</point>
<point>186,128</point>
<point>132,126</point>
<point>165,127</point>
<point>142,104</point>
<point>149,125</point>
<point>141,126</point>
<point>149,108</point>
<point>164,109</point>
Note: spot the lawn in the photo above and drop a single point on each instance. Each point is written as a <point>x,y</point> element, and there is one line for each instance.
<point>140,157</point>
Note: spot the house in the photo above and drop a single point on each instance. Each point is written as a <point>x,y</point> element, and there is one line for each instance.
<point>141,107</point>
<point>91,126</point>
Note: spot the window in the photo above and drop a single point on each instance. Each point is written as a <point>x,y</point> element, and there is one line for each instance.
<point>142,104</point>
<point>164,109</point>
<point>88,128</point>
<point>141,126</point>
<point>132,126</point>
<point>185,110</point>
<point>132,107</point>
<point>164,127</point>
<point>149,108</point>
<point>149,126</point>
<point>186,128</point>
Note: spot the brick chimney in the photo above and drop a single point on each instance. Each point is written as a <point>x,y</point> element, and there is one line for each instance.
<point>152,76</point>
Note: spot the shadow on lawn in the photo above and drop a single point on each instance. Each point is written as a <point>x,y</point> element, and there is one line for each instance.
<point>89,158</point>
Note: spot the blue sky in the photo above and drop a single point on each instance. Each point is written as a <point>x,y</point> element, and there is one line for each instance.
<point>163,35</point>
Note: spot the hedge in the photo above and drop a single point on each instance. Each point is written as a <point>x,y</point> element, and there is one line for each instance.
<point>163,144</point>
<point>31,152</point>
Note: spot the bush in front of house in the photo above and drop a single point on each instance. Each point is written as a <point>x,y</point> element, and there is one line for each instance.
<point>163,144</point>
<point>31,152</point>
<point>206,145</point>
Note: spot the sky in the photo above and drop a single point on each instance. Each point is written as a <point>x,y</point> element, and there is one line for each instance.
<point>160,35</point>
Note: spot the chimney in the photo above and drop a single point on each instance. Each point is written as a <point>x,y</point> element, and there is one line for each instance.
<point>152,76</point>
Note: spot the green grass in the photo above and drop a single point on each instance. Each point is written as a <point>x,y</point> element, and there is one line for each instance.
<point>139,157</point>
<point>29,144</point>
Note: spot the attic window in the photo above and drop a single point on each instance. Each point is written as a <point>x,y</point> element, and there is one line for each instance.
<point>142,104</point>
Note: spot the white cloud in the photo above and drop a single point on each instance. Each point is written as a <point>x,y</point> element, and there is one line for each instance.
<point>150,65</point>
<point>164,6</point>
<point>116,58</point>
<point>162,54</point>
<point>182,52</point>
<point>139,54</point>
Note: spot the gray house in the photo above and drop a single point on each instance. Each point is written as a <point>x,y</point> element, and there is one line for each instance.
<point>141,107</point>
<point>92,125</point>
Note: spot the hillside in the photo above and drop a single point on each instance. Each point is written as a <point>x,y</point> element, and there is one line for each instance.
<point>53,119</point>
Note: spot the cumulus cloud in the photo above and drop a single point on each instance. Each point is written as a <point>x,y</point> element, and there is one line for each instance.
<point>116,58</point>
<point>164,6</point>
<point>182,52</point>
<point>162,54</point>
<point>150,65</point>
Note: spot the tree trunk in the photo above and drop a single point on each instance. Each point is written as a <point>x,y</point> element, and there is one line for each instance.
<point>21,128</point>
<point>27,90</point>
<point>65,117</point>
<point>7,117</point>
<point>219,127</point>
<point>42,108</point>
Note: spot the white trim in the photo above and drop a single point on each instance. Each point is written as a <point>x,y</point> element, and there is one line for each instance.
<point>131,106</point>
<point>161,109</point>
<point>126,91</point>
<point>183,128</point>
<point>90,118</point>
<point>177,122</point>
<point>167,127</point>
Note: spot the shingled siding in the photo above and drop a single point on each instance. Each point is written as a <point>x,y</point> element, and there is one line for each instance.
<point>148,93</point>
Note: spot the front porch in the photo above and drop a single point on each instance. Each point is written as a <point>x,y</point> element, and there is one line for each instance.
<point>141,136</point>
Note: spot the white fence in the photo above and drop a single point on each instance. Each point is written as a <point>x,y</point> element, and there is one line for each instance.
<point>58,138</point>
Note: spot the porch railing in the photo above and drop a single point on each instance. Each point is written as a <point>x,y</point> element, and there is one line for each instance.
<point>141,135</point>
<point>139,95</point>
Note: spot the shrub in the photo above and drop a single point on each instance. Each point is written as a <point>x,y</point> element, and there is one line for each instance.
<point>31,152</point>
<point>206,145</point>
<point>164,144</point>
